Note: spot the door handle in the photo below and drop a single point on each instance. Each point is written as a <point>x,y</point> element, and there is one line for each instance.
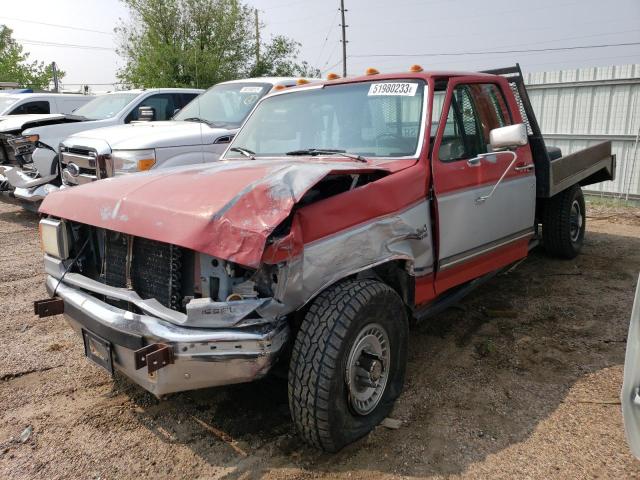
<point>524,168</point>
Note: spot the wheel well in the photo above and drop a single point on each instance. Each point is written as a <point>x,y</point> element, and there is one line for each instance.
<point>395,274</point>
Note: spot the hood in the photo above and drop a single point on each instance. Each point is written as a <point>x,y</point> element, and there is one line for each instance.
<point>225,209</point>
<point>18,122</point>
<point>63,127</point>
<point>160,134</point>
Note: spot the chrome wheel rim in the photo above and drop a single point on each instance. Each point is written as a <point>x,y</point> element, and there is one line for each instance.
<point>368,368</point>
<point>575,221</point>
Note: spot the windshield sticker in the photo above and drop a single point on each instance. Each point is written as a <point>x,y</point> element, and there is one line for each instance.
<point>395,88</point>
<point>250,89</point>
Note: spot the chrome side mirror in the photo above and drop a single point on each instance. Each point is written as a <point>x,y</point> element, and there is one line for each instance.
<point>146,114</point>
<point>508,137</point>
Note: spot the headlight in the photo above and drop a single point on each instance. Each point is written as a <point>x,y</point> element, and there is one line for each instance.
<point>53,238</point>
<point>129,161</point>
<point>23,145</point>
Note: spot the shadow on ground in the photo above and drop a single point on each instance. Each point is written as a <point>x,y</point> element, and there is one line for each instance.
<point>481,376</point>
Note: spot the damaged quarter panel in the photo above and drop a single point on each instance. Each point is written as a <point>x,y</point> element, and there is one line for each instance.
<point>385,220</point>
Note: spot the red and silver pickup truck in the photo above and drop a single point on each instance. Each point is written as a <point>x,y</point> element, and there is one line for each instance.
<point>341,213</point>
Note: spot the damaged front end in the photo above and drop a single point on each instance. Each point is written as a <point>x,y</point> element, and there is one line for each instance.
<point>212,263</point>
<point>152,300</point>
<point>27,169</point>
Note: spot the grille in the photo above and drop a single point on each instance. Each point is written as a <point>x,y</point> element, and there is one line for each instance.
<point>115,259</point>
<point>154,268</point>
<point>156,271</point>
<point>7,155</point>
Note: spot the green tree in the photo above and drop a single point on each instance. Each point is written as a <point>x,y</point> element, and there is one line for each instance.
<point>15,65</point>
<point>189,43</point>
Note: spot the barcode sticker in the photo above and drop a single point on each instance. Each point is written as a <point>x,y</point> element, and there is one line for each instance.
<point>250,89</point>
<point>395,88</point>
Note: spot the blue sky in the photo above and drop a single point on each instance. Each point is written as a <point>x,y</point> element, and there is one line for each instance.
<point>376,27</point>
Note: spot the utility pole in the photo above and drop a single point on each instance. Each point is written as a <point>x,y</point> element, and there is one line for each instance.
<point>344,40</point>
<point>54,71</point>
<point>257,38</point>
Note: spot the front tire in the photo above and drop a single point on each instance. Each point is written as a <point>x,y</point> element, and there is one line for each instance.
<point>564,223</point>
<point>348,363</point>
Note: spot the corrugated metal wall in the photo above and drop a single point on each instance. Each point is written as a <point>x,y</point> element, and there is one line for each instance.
<point>581,107</point>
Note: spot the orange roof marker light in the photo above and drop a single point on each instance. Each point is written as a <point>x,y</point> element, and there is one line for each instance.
<point>332,76</point>
<point>302,81</point>
<point>415,68</point>
<point>279,87</point>
<point>371,71</point>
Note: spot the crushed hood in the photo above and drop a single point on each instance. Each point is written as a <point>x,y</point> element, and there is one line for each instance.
<point>10,123</point>
<point>225,209</point>
<point>168,133</point>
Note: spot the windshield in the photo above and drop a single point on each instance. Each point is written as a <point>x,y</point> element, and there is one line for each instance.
<point>372,119</point>
<point>225,105</point>
<point>105,106</point>
<point>6,103</point>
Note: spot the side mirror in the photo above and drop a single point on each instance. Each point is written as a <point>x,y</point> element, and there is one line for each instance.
<point>508,137</point>
<point>146,114</point>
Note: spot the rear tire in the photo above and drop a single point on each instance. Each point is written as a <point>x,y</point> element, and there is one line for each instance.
<point>564,222</point>
<point>348,363</point>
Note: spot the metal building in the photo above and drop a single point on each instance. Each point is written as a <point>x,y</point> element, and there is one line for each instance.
<point>581,107</point>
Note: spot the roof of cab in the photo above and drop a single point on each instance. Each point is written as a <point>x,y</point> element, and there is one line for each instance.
<point>21,96</point>
<point>425,75</point>
<point>270,80</point>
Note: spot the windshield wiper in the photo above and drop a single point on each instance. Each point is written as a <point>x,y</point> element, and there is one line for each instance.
<point>244,151</point>
<point>197,119</point>
<point>314,152</point>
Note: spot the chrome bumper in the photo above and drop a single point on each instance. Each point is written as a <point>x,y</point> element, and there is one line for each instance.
<point>202,357</point>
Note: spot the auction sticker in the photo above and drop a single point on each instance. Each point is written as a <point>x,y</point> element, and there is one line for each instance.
<point>250,89</point>
<point>393,88</point>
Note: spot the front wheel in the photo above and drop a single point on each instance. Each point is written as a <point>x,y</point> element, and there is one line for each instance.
<point>564,222</point>
<point>348,362</point>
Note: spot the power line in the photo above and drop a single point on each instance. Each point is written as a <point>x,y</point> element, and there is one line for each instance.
<point>453,54</point>
<point>326,38</point>
<point>58,25</point>
<point>65,45</point>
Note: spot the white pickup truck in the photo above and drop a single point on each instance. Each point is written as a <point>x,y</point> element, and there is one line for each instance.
<point>40,103</point>
<point>29,152</point>
<point>199,133</point>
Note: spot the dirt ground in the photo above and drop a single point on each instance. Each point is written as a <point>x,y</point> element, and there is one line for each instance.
<point>521,380</point>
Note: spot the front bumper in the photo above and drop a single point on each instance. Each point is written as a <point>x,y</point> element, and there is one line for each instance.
<point>202,357</point>
<point>24,189</point>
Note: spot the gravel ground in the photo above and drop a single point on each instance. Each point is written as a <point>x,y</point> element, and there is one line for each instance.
<point>521,380</point>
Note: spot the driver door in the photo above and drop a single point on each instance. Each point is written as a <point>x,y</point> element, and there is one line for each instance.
<point>475,236</point>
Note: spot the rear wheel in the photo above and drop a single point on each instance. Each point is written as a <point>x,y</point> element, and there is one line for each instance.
<point>348,362</point>
<point>564,222</point>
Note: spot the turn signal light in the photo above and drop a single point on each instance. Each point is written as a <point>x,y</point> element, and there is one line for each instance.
<point>146,164</point>
<point>371,71</point>
<point>415,68</point>
<point>333,76</point>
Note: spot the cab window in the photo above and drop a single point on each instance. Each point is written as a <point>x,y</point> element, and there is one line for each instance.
<point>163,105</point>
<point>475,110</point>
<point>32,108</point>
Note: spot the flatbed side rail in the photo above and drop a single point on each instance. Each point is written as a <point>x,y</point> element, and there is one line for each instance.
<point>592,165</point>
